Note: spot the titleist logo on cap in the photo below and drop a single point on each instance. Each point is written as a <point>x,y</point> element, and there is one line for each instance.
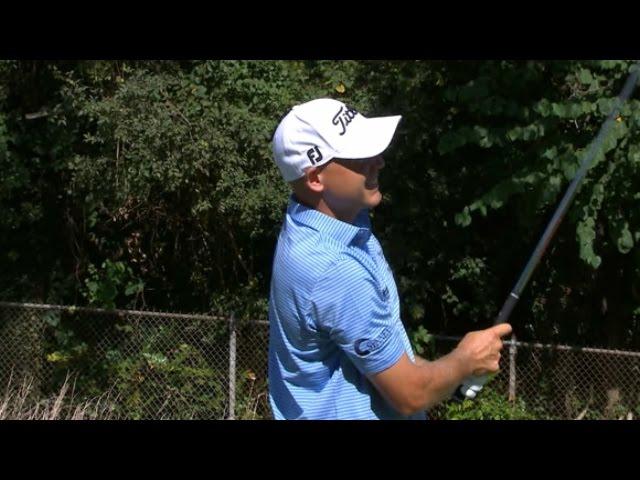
<point>343,118</point>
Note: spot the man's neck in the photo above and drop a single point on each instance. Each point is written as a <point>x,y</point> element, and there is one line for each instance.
<point>322,207</point>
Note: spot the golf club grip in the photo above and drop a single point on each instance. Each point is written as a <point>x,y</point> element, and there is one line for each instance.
<point>470,388</point>
<point>507,308</point>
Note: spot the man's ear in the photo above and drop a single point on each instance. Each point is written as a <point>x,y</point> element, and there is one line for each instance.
<point>314,179</point>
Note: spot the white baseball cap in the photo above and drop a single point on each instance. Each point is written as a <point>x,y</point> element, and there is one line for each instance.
<point>313,133</point>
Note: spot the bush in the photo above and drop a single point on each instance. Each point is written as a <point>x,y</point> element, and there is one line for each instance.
<point>490,405</point>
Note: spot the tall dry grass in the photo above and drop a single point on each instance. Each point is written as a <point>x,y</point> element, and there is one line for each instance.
<point>19,402</point>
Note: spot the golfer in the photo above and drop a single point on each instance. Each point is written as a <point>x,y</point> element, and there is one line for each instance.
<point>337,346</point>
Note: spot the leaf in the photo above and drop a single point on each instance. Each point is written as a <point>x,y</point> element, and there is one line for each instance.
<point>558,109</point>
<point>124,328</point>
<point>514,134</point>
<point>464,218</point>
<point>634,154</point>
<point>625,241</point>
<point>132,288</point>
<point>92,286</point>
<point>586,235</point>
<point>52,318</point>
<point>605,105</point>
<point>585,77</point>
<point>569,167</point>
<point>621,234</point>
<point>57,357</point>
<point>417,311</point>
<point>421,338</point>
<point>92,219</point>
<point>550,153</point>
<point>155,358</point>
<point>543,107</point>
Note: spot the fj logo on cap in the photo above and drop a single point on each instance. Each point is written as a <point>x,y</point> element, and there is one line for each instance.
<point>343,118</point>
<point>314,155</point>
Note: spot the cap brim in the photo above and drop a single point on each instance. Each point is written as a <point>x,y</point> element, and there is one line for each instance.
<point>371,137</point>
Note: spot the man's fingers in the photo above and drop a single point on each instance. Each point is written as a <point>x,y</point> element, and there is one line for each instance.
<point>502,329</point>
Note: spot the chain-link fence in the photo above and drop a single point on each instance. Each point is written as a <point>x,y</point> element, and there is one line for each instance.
<point>91,363</point>
<point>131,364</point>
<point>563,382</point>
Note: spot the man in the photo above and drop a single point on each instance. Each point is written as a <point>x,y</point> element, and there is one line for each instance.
<point>337,348</point>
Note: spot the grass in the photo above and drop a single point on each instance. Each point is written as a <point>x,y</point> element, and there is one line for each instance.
<point>20,402</point>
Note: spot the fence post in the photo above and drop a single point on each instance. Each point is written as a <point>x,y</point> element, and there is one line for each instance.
<point>512,368</point>
<point>232,367</point>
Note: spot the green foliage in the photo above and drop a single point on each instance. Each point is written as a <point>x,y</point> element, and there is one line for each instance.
<point>554,145</point>
<point>164,167</point>
<point>151,183</point>
<point>490,405</point>
<point>422,342</point>
<point>114,278</point>
<point>151,370</point>
<point>154,385</point>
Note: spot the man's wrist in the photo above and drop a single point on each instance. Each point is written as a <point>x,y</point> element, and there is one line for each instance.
<point>460,363</point>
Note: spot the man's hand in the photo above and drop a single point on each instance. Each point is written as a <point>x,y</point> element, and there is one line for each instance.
<point>480,351</point>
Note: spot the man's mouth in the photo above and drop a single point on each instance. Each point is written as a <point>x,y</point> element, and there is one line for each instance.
<point>371,185</point>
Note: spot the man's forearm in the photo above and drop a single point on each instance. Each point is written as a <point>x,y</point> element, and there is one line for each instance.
<point>420,361</point>
<point>440,377</point>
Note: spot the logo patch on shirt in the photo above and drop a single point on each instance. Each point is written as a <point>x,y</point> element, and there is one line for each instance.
<point>365,346</point>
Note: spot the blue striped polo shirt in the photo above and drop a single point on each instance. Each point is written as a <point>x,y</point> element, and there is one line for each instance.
<point>334,316</point>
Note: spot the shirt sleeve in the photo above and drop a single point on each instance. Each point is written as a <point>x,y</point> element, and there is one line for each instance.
<point>354,309</point>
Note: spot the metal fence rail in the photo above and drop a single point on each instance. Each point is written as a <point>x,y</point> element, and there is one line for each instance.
<point>159,365</point>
